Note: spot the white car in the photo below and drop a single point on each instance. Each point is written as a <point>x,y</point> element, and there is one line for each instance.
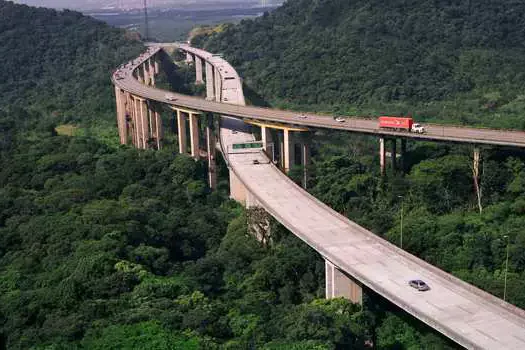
<point>340,119</point>
<point>170,97</point>
<point>418,128</point>
<point>302,116</point>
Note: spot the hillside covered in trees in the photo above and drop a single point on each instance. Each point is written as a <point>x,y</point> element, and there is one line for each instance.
<point>106,247</point>
<point>444,61</point>
<point>458,61</point>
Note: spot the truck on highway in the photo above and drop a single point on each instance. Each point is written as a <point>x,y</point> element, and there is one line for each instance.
<point>400,124</point>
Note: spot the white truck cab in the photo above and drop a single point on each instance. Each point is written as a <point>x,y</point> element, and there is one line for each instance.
<point>418,128</point>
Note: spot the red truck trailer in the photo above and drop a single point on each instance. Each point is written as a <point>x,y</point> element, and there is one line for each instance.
<point>397,123</point>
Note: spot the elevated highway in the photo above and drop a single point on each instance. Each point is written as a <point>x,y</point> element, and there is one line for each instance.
<point>354,256</point>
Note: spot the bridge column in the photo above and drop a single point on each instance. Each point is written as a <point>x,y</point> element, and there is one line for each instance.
<point>382,157</point>
<point>211,153</point>
<point>121,115</point>
<point>189,58</point>
<point>475,176</point>
<point>140,77</point>
<point>218,85</point>
<point>143,115</point>
<point>305,161</point>
<point>194,136</point>
<point>151,72</point>
<point>393,154</point>
<point>266,138</point>
<point>403,155</point>
<point>132,123</point>
<point>340,285</point>
<point>181,126</point>
<point>198,70</point>
<point>156,64</point>
<point>238,192</point>
<point>155,124</point>
<point>138,122</point>
<point>289,150</point>
<point>210,88</point>
<point>146,73</point>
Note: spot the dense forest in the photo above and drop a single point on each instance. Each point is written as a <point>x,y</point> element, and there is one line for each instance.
<point>458,61</point>
<point>107,247</point>
<point>443,61</point>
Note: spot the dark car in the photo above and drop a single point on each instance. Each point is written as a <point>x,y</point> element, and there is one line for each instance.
<point>419,285</point>
<point>255,161</point>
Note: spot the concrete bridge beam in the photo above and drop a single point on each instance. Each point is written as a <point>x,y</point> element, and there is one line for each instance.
<point>341,285</point>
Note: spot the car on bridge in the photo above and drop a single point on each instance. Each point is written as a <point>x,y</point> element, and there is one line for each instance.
<point>340,119</point>
<point>170,97</point>
<point>419,285</point>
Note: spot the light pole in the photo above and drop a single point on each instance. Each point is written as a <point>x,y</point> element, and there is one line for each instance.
<point>401,241</point>
<point>506,269</point>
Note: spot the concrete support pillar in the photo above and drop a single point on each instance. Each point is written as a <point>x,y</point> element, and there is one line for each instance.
<point>476,177</point>
<point>403,154</point>
<point>194,136</point>
<point>305,161</point>
<point>218,85</point>
<point>155,124</point>
<point>159,131</point>
<point>382,157</point>
<point>340,285</point>
<point>210,88</point>
<point>146,73</point>
<point>393,154</point>
<point>281,149</point>
<point>475,165</point>
<point>133,121</point>
<point>266,138</point>
<point>181,126</point>
<point>157,70</point>
<point>121,116</point>
<point>144,123</point>
<point>198,70</point>
<point>289,150</point>
<point>189,58</point>
<point>138,123</point>
<point>140,77</point>
<point>211,151</point>
<point>238,192</point>
<point>151,72</point>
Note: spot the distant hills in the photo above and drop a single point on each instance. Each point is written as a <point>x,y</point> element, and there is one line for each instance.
<point>460,61</point>
<point>59,61</point>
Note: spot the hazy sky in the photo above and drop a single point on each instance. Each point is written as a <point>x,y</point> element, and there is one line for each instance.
<point>96,4</point>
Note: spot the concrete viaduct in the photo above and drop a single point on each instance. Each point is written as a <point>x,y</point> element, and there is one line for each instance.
<point>354,256</point>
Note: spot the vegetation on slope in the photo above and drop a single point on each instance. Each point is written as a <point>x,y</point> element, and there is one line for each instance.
<point>109,247</point>
<point>59,63</point>
<point>456,61</point>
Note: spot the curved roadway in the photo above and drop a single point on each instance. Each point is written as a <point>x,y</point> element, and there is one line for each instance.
<point>466,314</point>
